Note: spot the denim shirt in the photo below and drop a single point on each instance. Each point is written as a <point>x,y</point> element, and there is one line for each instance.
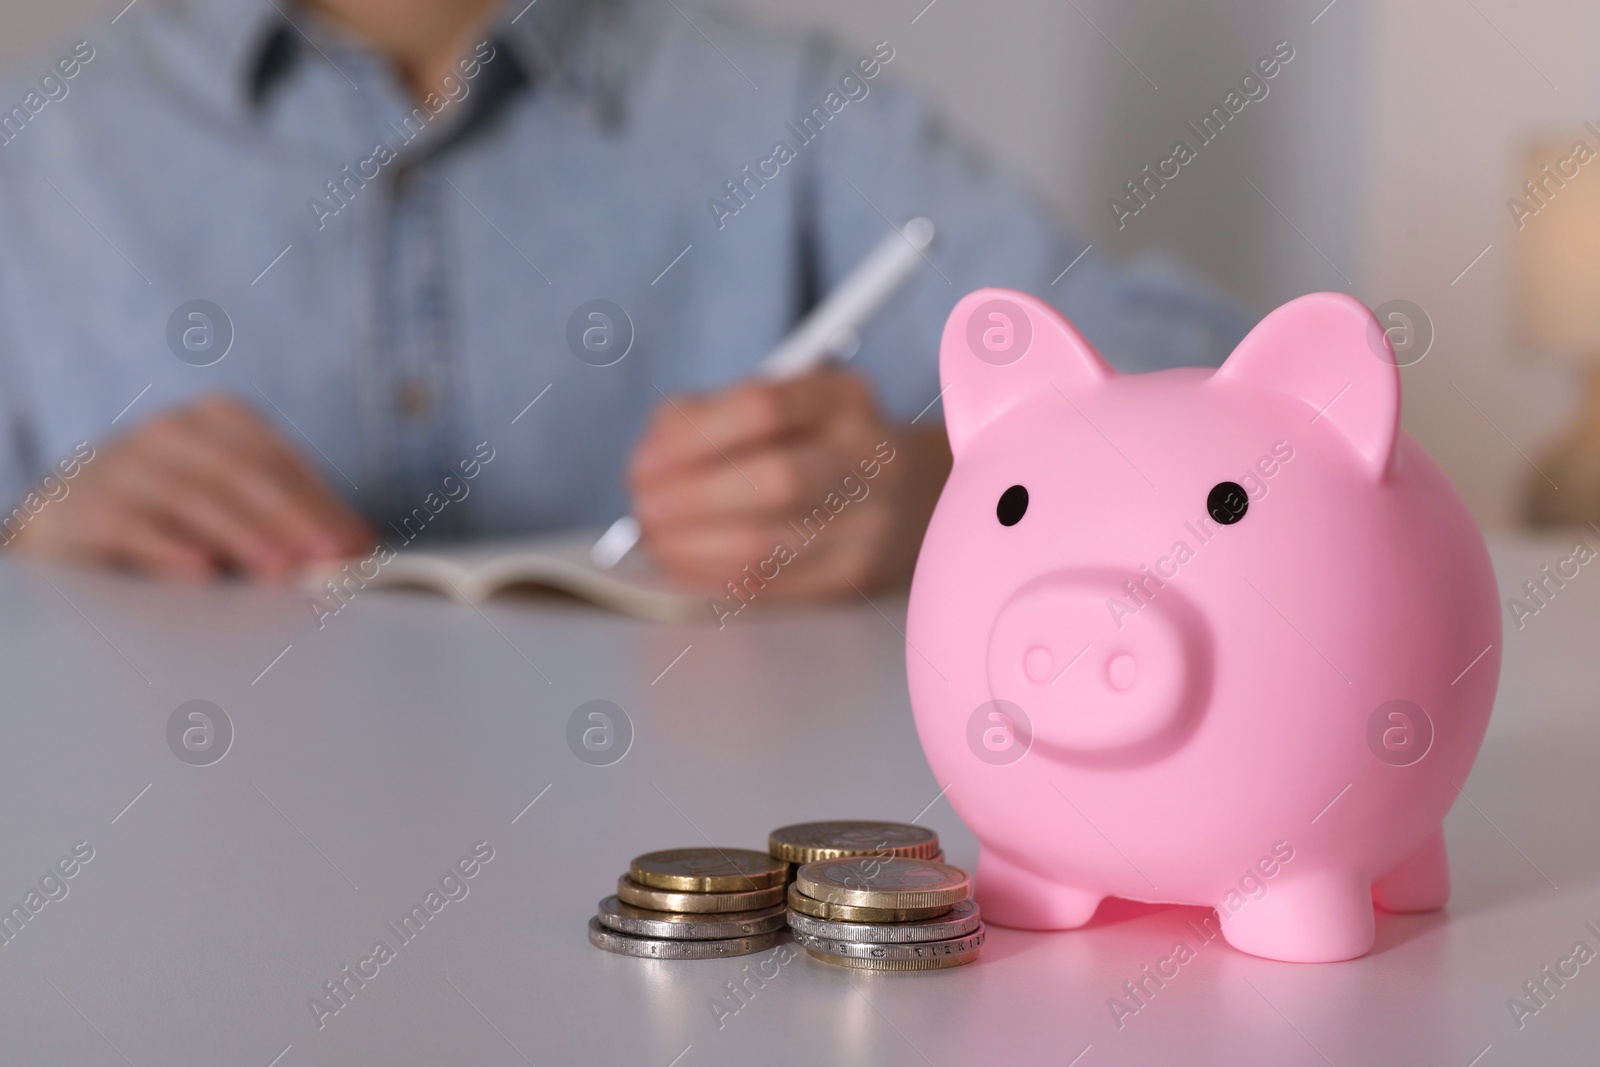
<point>395,283</point>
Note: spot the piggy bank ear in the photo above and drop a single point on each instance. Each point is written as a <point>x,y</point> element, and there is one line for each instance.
<point>1001,347</point>
<point>1328,350</point>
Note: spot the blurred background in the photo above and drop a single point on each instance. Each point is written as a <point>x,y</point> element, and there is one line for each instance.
<point>1381,163</point>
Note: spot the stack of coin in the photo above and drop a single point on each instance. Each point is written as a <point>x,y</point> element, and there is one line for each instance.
<point>809,841</point>
<point>694,904</point>
<point>878,913</point>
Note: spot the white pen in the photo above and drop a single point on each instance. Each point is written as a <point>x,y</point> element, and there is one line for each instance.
<point>828,332</point>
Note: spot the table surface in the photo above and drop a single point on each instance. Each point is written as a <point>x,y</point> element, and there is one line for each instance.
<point>368,757</point>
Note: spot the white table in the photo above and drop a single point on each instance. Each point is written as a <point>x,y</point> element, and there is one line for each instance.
<point>374,753</point>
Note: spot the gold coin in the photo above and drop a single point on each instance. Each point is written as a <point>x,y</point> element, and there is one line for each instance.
<point>643,896</point>
<point>810,841</point>
<point>933,963</point>
<point>869,882</point>
<point>847,913</point>
<point>708,870</point>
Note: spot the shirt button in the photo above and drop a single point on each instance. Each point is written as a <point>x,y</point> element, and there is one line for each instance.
<point>413,399</point>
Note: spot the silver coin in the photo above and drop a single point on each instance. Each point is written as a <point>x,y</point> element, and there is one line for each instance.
<point>667,949</point>
<point>947,949</point>
<point>931,963</point>
<point>960,921</point>
<point>689,926</point>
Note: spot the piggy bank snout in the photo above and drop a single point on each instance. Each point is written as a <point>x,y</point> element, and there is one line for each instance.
<point>1096,669</point>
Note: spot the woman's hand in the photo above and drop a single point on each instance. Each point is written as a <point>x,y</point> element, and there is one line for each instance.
<point>803,481</point>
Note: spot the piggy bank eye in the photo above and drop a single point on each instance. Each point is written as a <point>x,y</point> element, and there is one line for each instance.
<point>1227,502</point>
<point>1013,505</point>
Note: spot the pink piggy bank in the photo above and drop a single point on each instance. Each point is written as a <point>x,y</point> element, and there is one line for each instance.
<point>1224,638</point>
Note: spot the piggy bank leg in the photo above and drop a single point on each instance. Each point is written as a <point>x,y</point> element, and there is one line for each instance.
<point>1315,917</point>
<point>1012,896</point>
<point>1420,883</point>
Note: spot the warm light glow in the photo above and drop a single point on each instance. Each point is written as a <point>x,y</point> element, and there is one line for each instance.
<point>1558,247</point>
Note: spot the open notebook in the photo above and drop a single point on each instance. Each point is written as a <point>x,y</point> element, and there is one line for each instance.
<point>477,571</point>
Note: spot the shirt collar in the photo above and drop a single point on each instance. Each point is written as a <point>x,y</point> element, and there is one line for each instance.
<point>243,35</point>
<point>258,43</point>
<point>541,34</point>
